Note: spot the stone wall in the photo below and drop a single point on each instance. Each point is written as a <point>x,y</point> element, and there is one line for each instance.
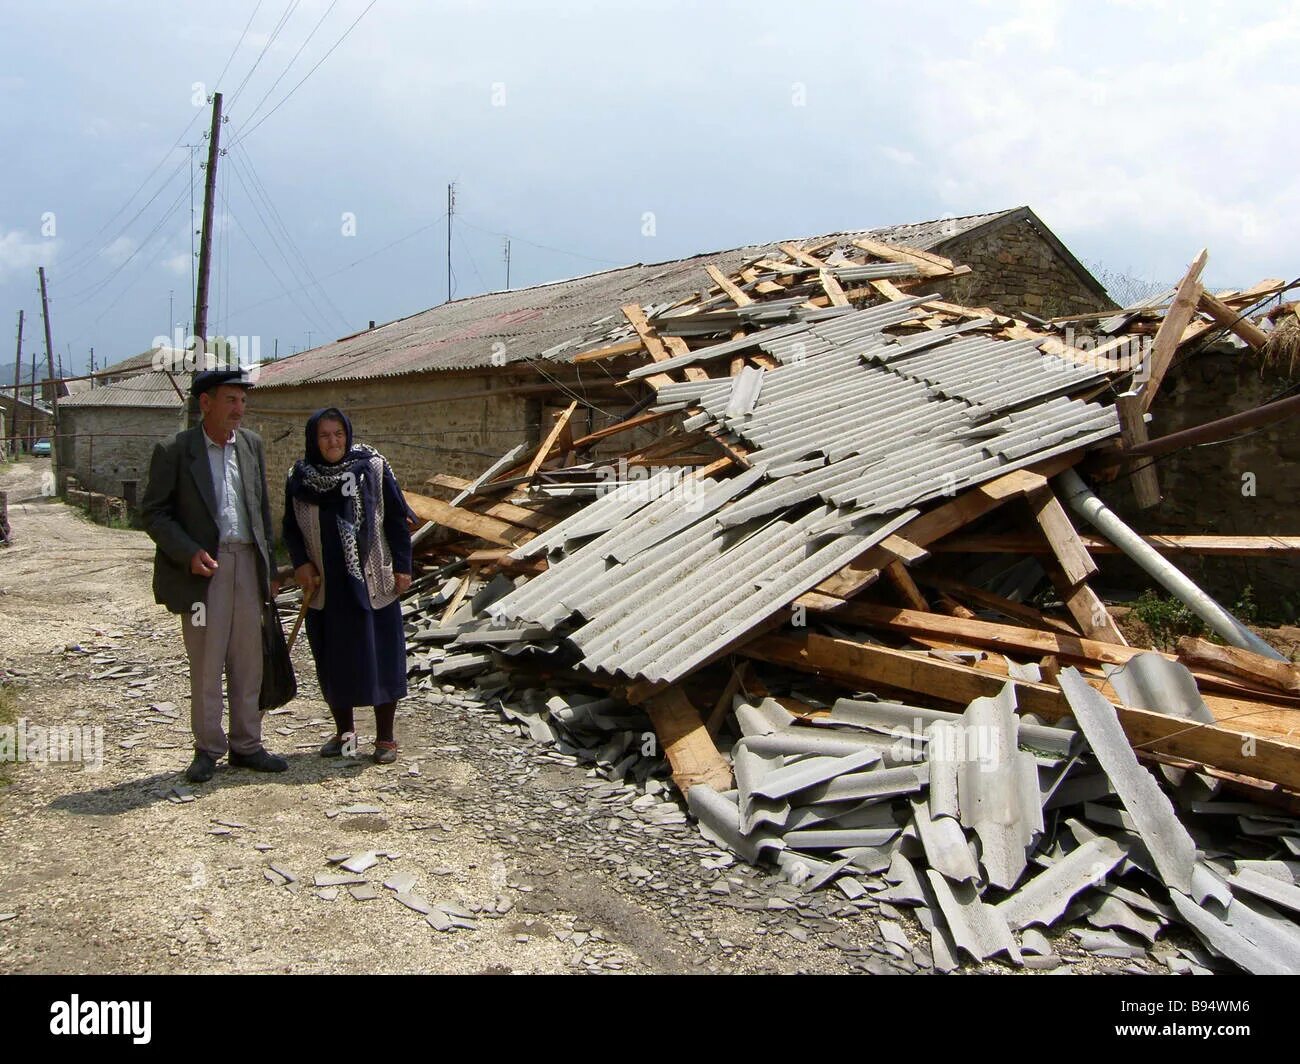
<point>421,425</point>
<point>1013,269</point>
<point>1249,486</point>
<point>112,445</point>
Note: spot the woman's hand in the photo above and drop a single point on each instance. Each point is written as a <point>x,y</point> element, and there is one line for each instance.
<point>401,582</point>
<point>308,579</point>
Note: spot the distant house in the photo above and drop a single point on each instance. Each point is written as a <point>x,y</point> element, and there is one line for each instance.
<point>112,430</point>
<point>25,421</point>
<point>450,389</point>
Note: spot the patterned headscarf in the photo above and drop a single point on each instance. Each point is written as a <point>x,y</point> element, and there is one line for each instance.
<point>312,479</point>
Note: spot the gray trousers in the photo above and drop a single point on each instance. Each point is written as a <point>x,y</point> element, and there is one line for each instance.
<point>229,643</point>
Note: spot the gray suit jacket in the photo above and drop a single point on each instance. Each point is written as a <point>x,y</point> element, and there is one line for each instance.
<point>180,513</point>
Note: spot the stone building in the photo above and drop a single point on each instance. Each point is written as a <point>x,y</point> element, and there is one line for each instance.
<point>25,421</point>
<point>111,431</point>
<point>450,389</point>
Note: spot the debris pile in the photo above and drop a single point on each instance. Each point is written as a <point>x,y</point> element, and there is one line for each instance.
<point>844,590</point>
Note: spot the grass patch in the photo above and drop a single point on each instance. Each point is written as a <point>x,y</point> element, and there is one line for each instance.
<point>1168,619</point>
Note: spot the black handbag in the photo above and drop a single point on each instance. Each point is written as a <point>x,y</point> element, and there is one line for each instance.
<point>279,685</point>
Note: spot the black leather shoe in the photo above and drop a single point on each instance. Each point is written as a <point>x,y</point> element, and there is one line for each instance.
<point>260,761</point>
<point>201,768</point>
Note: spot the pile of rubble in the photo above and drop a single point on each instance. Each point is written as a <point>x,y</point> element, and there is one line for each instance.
<point>790,592</point>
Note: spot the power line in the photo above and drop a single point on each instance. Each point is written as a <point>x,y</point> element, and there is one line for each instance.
<point>351,265</point>
<point>320,22</point>
<point>217,84</point>
<point>309,73</point>
<point>284,19</point>
<point>544,247</point>
<point>260,187</point>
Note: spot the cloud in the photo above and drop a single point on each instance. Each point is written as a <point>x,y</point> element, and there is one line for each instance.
<point>178,264</point>
<point>1149,150</point>
<point>898,155</point>
<point>119,250</point>
<point>19,253</point>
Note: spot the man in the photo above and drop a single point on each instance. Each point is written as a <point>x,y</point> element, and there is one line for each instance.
<point>206,508</point>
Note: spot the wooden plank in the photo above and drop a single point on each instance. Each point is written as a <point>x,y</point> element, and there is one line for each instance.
<point>1229,318</point>
<point>677,346</point>
<point>889,290</point>
<point>653,344</point>
<point>1224,745</point>
<point>832,289</point>
<point>1085,606</point>
<point>1005,638</point>
<point>904,549</point>
<point>801,256</point>
<point>461,590</point>
<point>466,521</point>
<point>1207,546</point>
<point>504,511</point>
<point>942,520</point>
<point>1257,669</point>
<point>903,583</point>
<point>1170,333</point>
<point>1133,433</point>
<point>925,265</point>
<point>623,426</point>
<point>1016,610</point>
<point>627,347</point>
<point>1071,554</point>
<point>737,296</point>
<point>686,742</point>
<point>544,450</point>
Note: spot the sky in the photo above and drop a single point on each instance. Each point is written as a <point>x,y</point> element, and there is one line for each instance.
<point>595,135</point>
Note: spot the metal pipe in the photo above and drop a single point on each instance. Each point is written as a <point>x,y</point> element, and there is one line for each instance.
<point>1220,621</point>
<point>1216,430</point>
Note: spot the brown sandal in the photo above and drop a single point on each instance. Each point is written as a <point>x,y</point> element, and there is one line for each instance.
<point>385,752</point>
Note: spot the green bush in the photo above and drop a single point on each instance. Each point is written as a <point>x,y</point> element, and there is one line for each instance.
<point>1167,618</point>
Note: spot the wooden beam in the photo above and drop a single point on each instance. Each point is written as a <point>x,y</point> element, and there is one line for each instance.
<point>1133,433</point>
<point>686,742</point>
<point>677,346</point>
<point>903,583</point>
<point>503,511</point>
<point>925,264</point>
<point>801,256</point>
<point>1208,546</point>
<point>544,450</point>
<point>944,519</point>
<point>653,344</point>
<point>734,292</point>
<point>1016,610</point>
<point>1224,745</point>
<point>1085,606</point>
<point>832,289</point>
<point>1255,668</point>
<point>467,521</point>
<point>459,597</point>
<point>627,347</point>
<point>1232,320</point>
<point>1170,333</point>
<point>1071,554</point>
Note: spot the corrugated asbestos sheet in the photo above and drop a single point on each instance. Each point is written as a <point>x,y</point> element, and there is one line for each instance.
<point>846,437</point>
<point>148,390</point>
<point>553,322</point>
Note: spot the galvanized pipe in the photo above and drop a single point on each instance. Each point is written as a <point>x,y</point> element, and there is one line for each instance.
<point>1220,621</point>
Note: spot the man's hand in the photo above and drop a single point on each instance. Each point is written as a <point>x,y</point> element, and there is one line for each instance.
<point>308,579</point>
<point>401,582</point>
<point>203,564</point>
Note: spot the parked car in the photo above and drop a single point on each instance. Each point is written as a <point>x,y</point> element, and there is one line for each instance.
<point>41,447</point>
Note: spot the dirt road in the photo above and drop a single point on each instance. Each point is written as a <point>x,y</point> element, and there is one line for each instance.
<point>128,869</point>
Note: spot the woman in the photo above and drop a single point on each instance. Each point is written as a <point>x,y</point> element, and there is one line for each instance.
<point>345,527</point>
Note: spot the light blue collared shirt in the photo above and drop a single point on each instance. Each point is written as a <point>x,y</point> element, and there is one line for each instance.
<point>232,511</point>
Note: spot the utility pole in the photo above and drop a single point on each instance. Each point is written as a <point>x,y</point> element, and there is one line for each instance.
<point>57,450</point>
<point>92,367</point>
<point>18,382</point>
<point>205,250</point>
<point>507,264</point>
<point>451,208</point>
<point>31,407</point>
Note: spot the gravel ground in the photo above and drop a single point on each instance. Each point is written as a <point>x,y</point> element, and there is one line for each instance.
<point>538,865</point>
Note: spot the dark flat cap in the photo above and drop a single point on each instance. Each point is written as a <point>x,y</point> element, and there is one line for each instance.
<point>212,378</point>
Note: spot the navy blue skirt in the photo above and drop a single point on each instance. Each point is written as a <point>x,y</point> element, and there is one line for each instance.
<point>360,654</point>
